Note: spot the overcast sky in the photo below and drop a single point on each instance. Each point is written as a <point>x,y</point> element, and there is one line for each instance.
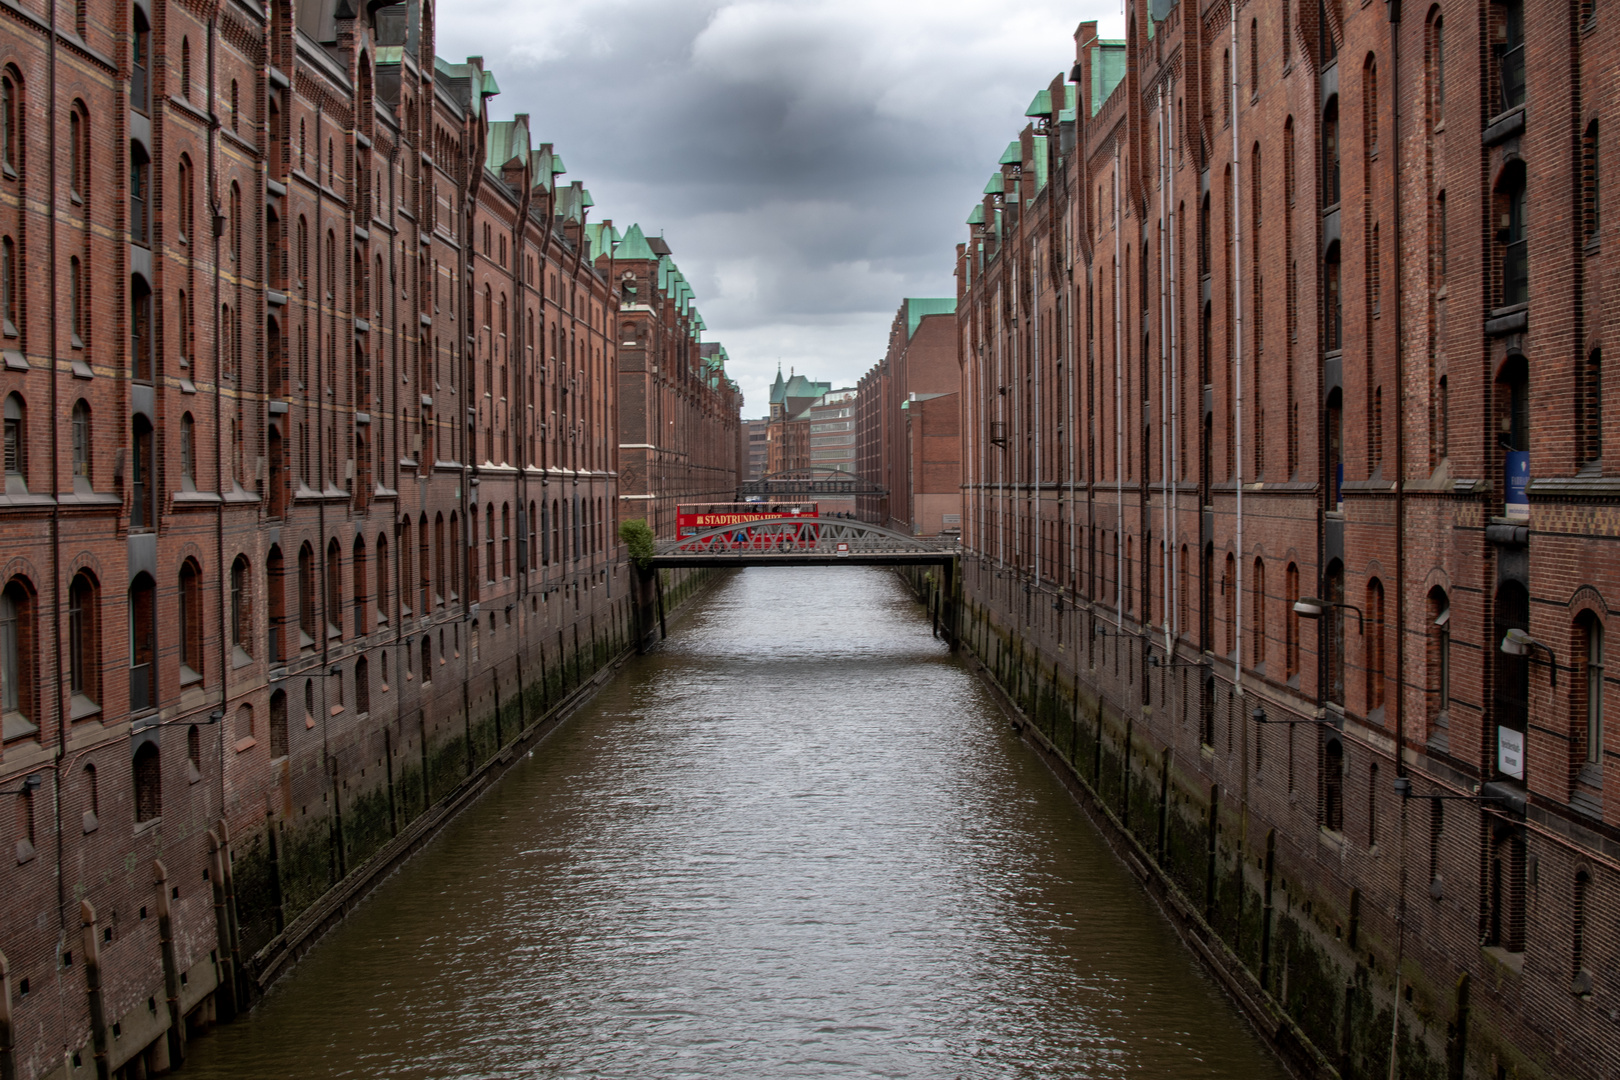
<point>810,162</point>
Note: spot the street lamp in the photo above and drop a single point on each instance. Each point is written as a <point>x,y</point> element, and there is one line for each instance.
<point>1312,607</point>
<point>1519,643</point>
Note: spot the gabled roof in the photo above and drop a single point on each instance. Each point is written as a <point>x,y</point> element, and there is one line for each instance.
<point>1041,105</point>
<point>634,246</point>
<point>508,141</point>
<point>996,185</point>
<point>1013,155</point>
<point>977,216</point>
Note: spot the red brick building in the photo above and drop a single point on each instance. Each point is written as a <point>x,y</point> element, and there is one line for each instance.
<point>1281,302</point>
<point>311,396</point>
<point>909,423</point>
<point>680,426</point>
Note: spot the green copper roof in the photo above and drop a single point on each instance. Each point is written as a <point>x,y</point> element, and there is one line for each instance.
<point>1066,116</point>
<point>634,246</point>
<point>1013,155</point>
<point>1040,164</point>
<point>917,307</point>
<point>586,197</point>
<point>1107,71</point>
<point>977,217</point>
<point>1041,105</point>
<point>491,87</point>
<point>508,139</point>
<point>996,185</point>
<point>557,166</point>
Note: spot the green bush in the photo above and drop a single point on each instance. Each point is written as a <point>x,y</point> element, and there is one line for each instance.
<point>638,537</point>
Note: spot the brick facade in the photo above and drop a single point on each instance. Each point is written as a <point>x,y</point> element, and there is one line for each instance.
<point>1298,292</point>
<point>311,387</point>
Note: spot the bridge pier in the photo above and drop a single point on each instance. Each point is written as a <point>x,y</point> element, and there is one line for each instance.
<point>648,601</point>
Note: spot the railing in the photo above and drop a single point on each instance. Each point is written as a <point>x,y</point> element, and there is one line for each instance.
<point>799,537</point>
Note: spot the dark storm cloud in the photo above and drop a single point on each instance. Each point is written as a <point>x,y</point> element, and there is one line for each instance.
<point>810,162</point>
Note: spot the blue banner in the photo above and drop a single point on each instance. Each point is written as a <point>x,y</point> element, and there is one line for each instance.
<point>1516,482</point>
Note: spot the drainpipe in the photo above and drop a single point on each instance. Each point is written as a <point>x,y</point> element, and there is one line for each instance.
<point>62,709</point>
<point>219,451</point>
<point>1164,387</point>
<point>1119,418</point>
<point>1171,535</point>
<point>1237,371</point>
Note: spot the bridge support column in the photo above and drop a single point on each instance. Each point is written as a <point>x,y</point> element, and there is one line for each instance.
<point>950,602</point>
<point>645,595</point>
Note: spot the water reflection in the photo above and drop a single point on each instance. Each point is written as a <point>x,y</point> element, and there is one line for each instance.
<point>798,841</point>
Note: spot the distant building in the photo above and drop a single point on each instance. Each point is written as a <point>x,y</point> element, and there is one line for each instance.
<point>758,450</point>
<point>832,441</point>
<point>788,432</point>
<point>908,427</point>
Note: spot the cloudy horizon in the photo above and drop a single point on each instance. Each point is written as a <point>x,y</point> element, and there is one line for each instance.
<point>810,162</point>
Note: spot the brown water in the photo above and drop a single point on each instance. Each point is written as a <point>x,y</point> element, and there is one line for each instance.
<point>800,840</point>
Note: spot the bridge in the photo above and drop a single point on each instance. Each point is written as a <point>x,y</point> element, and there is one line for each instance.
<point>797,541</point>
<point>822,480</point>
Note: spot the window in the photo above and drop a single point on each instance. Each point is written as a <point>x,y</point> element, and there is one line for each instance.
<point>241,606</point>
<point>362,685</point>
<point>278,724</point>
<point>185,68</point>
<point>1589,182</point>
<point>506,540</point>
<point>11,114</point>
<point>1332,627</point>
<point>1257,615</point>
<point>275,583</point>
<point>1254,58</point>
<point>1330,154</point>
<point>1375,645</point>
<point>1581,982</point>
<point>76,302</point>
<point>306,596</point>
<point>84,644</point>
<point>334,590</point>
<point>1437,68</point>
<point>358,576</point>
<point>143,690</point>
<point>191,622</point>
<point>244,721</point>
<point>9,286</point>
<point>80,424</point>
<point>1226,87</point>
<point>427,658</point>
<point>1589,410</point>
<point>140,326</point>
<point>1333,785</point>
<point>1333,315</point>
<point>1291,622</point>
<point>1592,733</point>
<point>1439,656</point>
<point>1507,26</point>
<point>139,163</point>
<point>381,597</point>
<point>16,444</point>
<point>78,152</point>
<point>148,783</point>
<point>1512,238</point>
<point>18,671</point>
<point>140,97</point>
<point>188,452</point>
<point>92,792</point>
<point>489,541</point>
<point>142,511</point>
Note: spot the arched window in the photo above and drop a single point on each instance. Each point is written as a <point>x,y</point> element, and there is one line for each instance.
<point>143,681</point>
<point>10,308</point>
<point>1589,732</point>
<point>76,302</point>
<point>140,329</point>
<point>442,584</point>
<point>1229,591</point>
<point>275,576</point>
<point>1332,632</point>
<point>78,152</point>
<point>306,596</point>
<point>427,658</point>
<point>1333,313</point>
<point>1291,622</point>
<point>92,799</point>
<point>1439,658</point>
<point>334,590</point>
<point>1257,615</point>
<point>1581,982</point>
<point>244,721</point>
<point>533,525</point>
<point>1330,154</point>
<point>18,666</point>
<point>11,118</point>
<point>1375,645</point>
<point>362,685</point>
<point>242,607</point>
<point>1512,239</point>
<point>143,478</point>
<point>489,541</point>
<point>16,444</point>
<point>80,424</point>
<point>148,783</point>
<point>1226,87</point>
<point>506,540</point>
<point>1437,71</point>
<point>139,166</point>
<point>1254,58</point>
<point>360,575</point>
<point>1333,784</point>
<point>278,724</point>
<point>185,68</point>
<point>381,597</point>
<point>191,623</point>
<point>84,644</point>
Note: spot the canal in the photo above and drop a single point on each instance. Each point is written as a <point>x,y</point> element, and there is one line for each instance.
<point>798,840</point>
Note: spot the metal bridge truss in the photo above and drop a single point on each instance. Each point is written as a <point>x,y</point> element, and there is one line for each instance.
<point>803,542</point>
<point>811,481</point>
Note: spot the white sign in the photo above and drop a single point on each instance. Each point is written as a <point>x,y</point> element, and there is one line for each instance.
<point>1510,752</point>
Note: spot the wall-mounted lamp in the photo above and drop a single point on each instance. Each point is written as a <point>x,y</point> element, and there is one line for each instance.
<point>30,782</point>
<point>1403,788</point>
<point>1519,643</point>
<point>1311,607</point>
